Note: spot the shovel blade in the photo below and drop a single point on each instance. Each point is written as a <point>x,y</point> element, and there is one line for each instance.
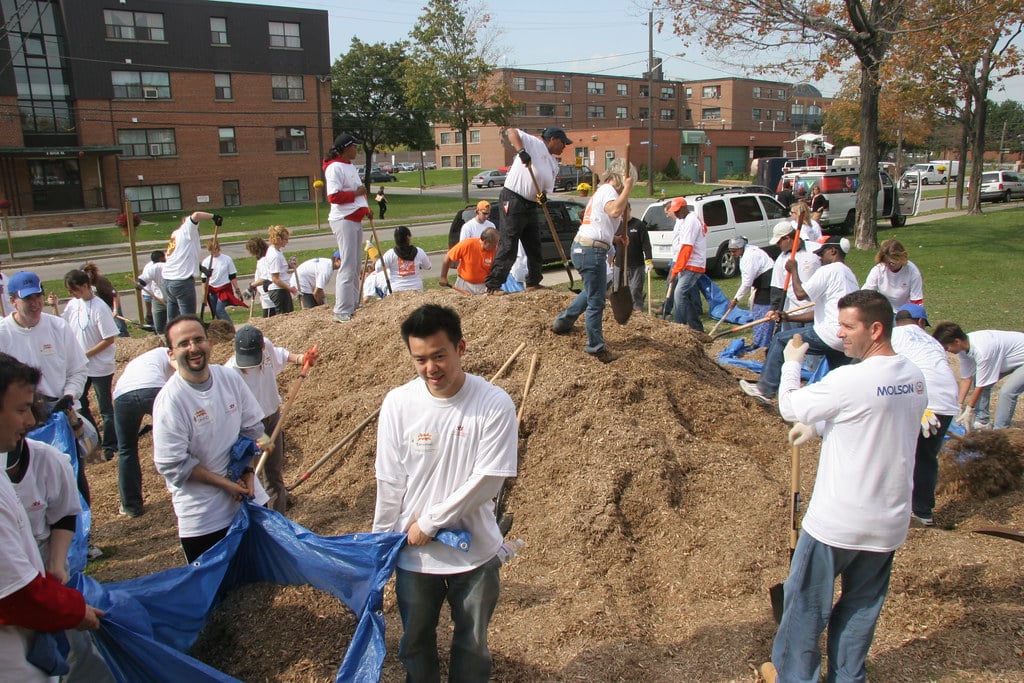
<point>622,304</point>
<point>776,594</point>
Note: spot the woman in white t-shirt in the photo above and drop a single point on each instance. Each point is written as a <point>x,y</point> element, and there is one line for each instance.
<point>257,246</point>
<point>277,270</point>
<point>895,276</point>
<point>93,324</point>
<point>404,263</point>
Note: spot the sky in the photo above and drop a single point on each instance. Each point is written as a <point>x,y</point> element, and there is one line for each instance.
<point>591,36</point>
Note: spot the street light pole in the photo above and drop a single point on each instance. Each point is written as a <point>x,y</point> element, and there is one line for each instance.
<point>650,103</point>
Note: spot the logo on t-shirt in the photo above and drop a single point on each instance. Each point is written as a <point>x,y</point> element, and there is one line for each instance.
<point>201,417</point>
<point>47,349</point>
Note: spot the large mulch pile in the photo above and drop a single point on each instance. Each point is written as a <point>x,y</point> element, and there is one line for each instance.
<point>652,497</point>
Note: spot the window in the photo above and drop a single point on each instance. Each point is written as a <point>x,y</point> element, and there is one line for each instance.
<point>668,92</point>
<point>520,109</point>
<point>227,141</point>
<point>474,161</point>
<point>644,113</point>
<point>668,114</point>
<point>780,94</point>
<point>232,193</point>
<point>767,93</point>
<point>711,114</point>
<point>156,142</point>
<point>689,92</point>
<point>518,83</point>
<point>757,92</point>
<point>545,85</point>
<point>622,90</point>
<point>287,88</point>
<point>567,85</point>
<point>222,86</point>
<point>446,161</point>
<point>711,91</point>
<point>290,139</point>
<point>621,112</point>
<point>138,85</point>
<point>595,88</point>
<point>458,136</point>
<point>458,161</point>
<point>746,209</point>
<point>139,26</point>
<point>689,114</point>
<point>446,138</point>
<point>813,110</point>
<point>755,114</point>
<point>474,136</point>
<point>293,189</point>
<point>780,115</point>
<point>218,31</point>
<point>568,111</point>
<point>796,110</point>
<point>149,198</point>
<point>644,91</point>
<point>284,34</point>
<point>595,112</point>
<point>546,110</point>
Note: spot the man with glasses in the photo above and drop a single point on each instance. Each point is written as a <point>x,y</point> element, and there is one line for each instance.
<point>197,418</point>
<point>475,226</point>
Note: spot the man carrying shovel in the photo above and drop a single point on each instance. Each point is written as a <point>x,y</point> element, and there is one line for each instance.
<point>869,418</point>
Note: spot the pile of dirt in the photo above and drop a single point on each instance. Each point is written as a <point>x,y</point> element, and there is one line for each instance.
<point>652,497</point>
<point>984,464</point>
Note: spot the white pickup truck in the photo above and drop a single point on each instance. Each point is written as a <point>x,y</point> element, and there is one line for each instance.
<point>927,173</point>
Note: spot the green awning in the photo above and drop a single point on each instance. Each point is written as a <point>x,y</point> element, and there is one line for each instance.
<point>693,137</point>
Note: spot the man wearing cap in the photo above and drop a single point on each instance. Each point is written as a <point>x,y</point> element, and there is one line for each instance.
<point>527,185</point>
<point>985,357</point>
<point>909,339</point>
<point>182,264</point>
<point>312,276</point>
<point>824,289</point>
<point>347,195</point>
<point>476,225</point>
<point>260,362</point>
<point>689,242</point>
<point>807,261</point>
<point>475,259</point>
<point>755,279</point>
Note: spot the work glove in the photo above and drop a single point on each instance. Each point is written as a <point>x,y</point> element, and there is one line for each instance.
<point>524,157</point>
<point>648,265</point>
<point>929,424</point>
<point>542,198</point>
<point>966,417</point>
<point>218,220</point>
<point>794,352</point>
<point>311,356</point>
<point>800,434</point>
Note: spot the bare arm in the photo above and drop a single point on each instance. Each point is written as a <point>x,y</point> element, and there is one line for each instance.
<point>56,559</point>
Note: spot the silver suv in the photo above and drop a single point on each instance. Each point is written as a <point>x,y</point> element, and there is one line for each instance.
<point>733,215</point>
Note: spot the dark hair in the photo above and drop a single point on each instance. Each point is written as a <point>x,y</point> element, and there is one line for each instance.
<point>174,322</point>
<point>257,246</point>
<point>76,278</point>
<point>430,319</point>
<point>156,256</point>
<point>92,270</point>
<point>873,308</point>
<point>13,371</point>
<point>402,235</point>
<point>946,333</point>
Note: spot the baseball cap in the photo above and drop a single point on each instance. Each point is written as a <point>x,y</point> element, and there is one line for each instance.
<point>840,243</point>
<point>913,312</point>
<point>336,254</point>
<point>483,204</point>
<point>248,347</point>
<point>556,133</point>
<point>345,140</point>
<point>676,204</point>
<point>738,243</point>
<point>781,230</point>
<point>24,284</point>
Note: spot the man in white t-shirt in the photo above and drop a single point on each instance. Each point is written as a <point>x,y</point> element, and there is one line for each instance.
<point>828,284</point>
<point>151,283</point>
<point>312,277</point>
<point>182,265</point>
<point>476,225</point>
<point>30,599</point>
<point>868,416</point>
<point>782,296</point>
<point>347,196</point>
<point>909,339</point>
<point>197,418</point>
<point>985,357</point>
<point>689,246</point>
<point>446,441</point>
<point>755,280</point>
<point>598,230</point>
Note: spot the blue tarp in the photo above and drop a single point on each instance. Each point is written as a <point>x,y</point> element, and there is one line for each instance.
<point>718,303</point>
<point>814,368</point>
<point>152,621</point>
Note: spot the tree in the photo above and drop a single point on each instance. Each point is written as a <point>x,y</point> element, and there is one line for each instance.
<point>819,35</point>
<point>449,75</point>
<point>369,99</point>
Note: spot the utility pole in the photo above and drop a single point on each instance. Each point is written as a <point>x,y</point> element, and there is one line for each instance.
<point>1002,141</point>
<point>650,103</point>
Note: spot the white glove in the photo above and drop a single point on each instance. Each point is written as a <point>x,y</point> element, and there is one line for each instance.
<point>648,265</point>
<point>966,417</point>
<point>801,434</point>
<point>793,352</point>
<point>929,424</point>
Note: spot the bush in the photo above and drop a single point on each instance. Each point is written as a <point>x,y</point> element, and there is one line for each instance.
<point>122,220</point>
<point>671,170</point>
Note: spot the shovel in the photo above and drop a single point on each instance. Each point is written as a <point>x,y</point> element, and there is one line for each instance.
<point>206,281</point>
<point>621,298</point>
<point>765,319</point>
<point>1002,532</point>
<point>554,234</point>
<point>725,315</point>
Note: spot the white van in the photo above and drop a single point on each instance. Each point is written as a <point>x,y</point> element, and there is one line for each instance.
<point>926,173</point>
<point>839,185</point>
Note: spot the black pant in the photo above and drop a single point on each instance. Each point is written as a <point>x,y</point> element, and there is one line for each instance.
<point>195,546</point>
<point>282,299</point>
<point>519,222</point>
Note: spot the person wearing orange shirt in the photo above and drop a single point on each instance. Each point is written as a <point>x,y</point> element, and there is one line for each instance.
<point>474,257</point>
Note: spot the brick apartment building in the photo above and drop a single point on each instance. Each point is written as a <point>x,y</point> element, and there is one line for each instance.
<point>712,128</point>
<point>174,104</point>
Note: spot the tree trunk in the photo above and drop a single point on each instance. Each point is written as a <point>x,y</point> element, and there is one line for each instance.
<point>965,133</point>
<point>867,191</point>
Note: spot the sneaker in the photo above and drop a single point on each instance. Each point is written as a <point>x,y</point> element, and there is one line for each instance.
<point>122,510</point>
<point>605,356</point>
<point>917,520</point>
<point>768,672</point>
<point>751,389</point>
<point>980,425</point>
<point>108,456</point>
<point>94,553</point>
<point>342,318</point>
<point>559,327</point>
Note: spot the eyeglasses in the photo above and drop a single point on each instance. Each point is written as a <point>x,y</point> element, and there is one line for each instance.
<point>194,341</point>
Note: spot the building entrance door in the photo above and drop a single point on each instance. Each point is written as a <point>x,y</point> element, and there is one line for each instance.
<point>56,184</point>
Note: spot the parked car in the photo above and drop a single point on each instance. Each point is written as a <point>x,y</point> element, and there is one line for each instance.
<point>926,173</point>
<point>742,189</point>
<point>569,177</point>
<point>379,176</point>
<point>1001,186</point>
<point>405,166</point>
<point>726,215</point>
<point>565,215</point>
<point>429,165</point>
<point>839,185</point>
<point>488,179</point>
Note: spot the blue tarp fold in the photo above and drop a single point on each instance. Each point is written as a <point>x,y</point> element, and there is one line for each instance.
<point>718,303</point>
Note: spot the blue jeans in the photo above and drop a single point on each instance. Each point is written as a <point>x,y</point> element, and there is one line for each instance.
<point>472,597</point>
<point>592,264</point>
<point>129,409</point>
<point>1008,395</point>
<point>771,374</point>
<point>181,297</point>
<point>807,610</point>
<point>159,316</point>
<point>686,306</point>
<point>218,307</point>
<point>763,332</point>
<point>926,468</point>
<point>102,387</point>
